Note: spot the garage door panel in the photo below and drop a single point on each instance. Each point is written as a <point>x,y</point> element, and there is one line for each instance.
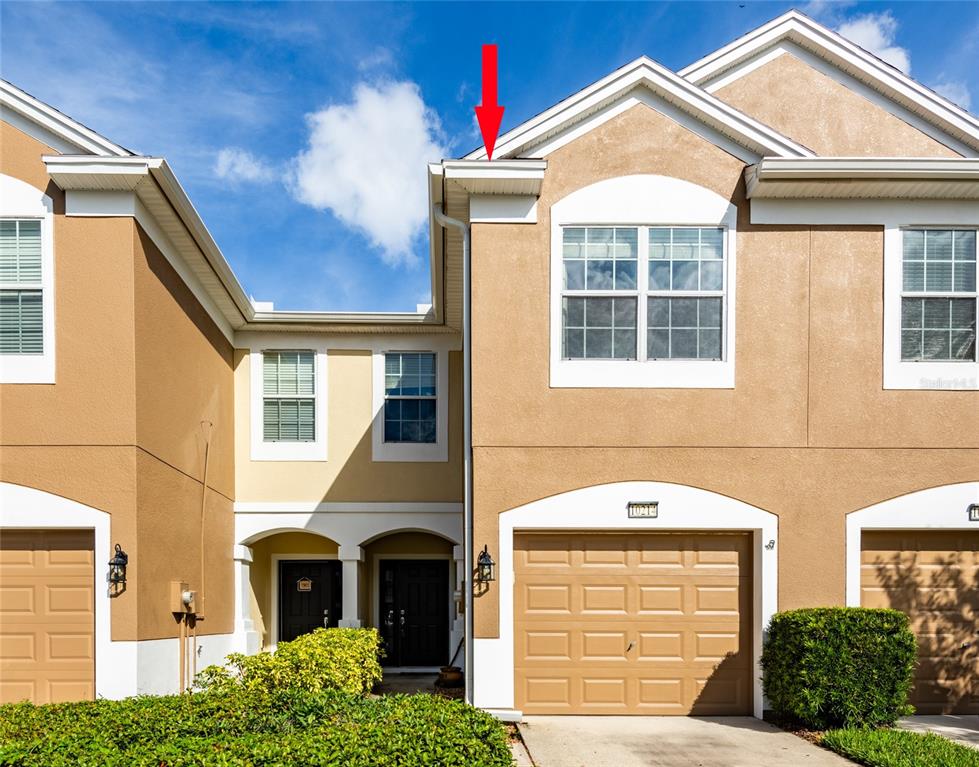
<point>47,639</point>
<point>649,624</point>
<point>932,576</point>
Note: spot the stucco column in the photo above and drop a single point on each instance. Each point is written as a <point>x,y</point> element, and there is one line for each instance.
<point>351,557</point>
<point>246,638</point>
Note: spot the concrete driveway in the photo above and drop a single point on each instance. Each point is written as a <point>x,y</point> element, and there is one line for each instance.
<point>661,741</point>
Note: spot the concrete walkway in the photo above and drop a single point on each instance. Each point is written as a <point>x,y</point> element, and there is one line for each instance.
<point>667,741</point>
<point>962,729</point>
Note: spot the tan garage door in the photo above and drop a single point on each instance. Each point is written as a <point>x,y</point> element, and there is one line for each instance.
<point>47,618</point>
<point>633,624</point>
<point>934,577</point>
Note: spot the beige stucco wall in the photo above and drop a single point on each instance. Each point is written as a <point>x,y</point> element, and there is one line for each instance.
<point>349,474</point>
<point>138,366</point>
<point>815,110</point>
<point>808,432</point>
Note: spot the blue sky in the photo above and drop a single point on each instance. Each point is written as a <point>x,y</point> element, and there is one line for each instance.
<point>301,130</point>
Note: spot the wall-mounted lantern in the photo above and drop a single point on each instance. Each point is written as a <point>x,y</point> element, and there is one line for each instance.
<point>117,568</point>
<point>485,567</point>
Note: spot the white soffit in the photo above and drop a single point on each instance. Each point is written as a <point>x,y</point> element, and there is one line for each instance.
<point>728,63</point>
<point>526,139</point>
<point>864,177</point>
<point>520,177</point>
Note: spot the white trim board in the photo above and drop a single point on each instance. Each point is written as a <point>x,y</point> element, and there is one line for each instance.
<point>644,200</point>
<point>603,508</point>
<point>937,508</point>
<point>342,507</point>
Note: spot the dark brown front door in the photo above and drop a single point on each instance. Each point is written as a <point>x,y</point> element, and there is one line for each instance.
<point>414,603</point>
<point>309,596</point>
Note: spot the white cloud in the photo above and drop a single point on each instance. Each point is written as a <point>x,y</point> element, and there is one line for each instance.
<point>234,164</point>
<point>955,91</point>
<point>875,32</point>
<point>365,164</point>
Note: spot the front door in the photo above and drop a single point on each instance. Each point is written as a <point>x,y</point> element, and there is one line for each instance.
<point>309,596</point>
<point>414,603</point>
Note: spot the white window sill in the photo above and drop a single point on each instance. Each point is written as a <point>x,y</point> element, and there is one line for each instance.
<point>632,374</point>
<point>289,451</point>
<point>410,451</point>
<point>932,376</point>
<point>27,368</point>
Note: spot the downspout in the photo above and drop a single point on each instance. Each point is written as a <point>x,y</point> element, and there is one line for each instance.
<point>467,523</point>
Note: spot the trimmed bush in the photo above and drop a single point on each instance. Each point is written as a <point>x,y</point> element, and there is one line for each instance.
<point>326,659</point>
<point>899,748</point>
<point>253,729</point>
<point>839,666</point>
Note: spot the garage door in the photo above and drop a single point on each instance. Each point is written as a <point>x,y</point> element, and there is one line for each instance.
<point>632,624</point>
<point>933,577</point>
<point>47,626</point>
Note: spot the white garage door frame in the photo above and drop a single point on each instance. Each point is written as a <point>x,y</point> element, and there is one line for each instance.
<point>937,508</point>
<point>603,508</point>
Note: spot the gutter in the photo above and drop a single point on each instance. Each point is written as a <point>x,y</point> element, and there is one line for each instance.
<point>467,517</point>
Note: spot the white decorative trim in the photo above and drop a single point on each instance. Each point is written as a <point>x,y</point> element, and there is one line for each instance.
<point>341,507</point>
<point>102,204</point>
<point>603,508</point>
<point>20,200</point>
<point>25,507</point>
<point>937,508</point>
<point>502,209</point>
<point>382,451</point>
<point>644,200</point>
<point>288,451</point>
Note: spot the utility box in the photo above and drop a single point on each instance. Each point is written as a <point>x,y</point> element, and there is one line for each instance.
<point>182,598</point>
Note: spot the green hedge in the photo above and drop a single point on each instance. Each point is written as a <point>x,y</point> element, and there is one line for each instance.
<point>839,666</point>
<point>899,748</point>
<point>254,729</point>
<point>326,659</point>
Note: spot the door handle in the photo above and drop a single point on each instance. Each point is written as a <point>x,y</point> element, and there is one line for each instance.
<point>389,620</point>
<point>631,645</point>
<point>326,619</point>
<point>402,622</point>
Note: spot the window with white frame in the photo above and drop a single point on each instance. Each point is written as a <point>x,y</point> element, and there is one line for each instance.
<point>288,396</point>
<point>939,298</point>
<point>410,394</point>
<point>21,288</point>
<point>642,293</point>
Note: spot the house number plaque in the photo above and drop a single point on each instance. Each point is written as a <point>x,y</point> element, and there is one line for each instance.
<point>304,584</point>
<point>643,509</point>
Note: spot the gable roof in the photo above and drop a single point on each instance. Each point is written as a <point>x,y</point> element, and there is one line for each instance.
<point>643,73</point>
<point>724,64</point>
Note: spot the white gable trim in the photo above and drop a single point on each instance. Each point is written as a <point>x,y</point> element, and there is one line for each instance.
<point>57,130</point>
<point>525,140</point>
<point>739,57</point>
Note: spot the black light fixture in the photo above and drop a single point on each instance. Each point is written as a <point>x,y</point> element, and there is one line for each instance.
<point>117,567</point>
<point>485,566</point>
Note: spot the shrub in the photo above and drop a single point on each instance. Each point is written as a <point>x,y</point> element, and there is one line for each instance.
<point>839,666</point>
<point>250,728</point>
<point>899,748</point>
<point>326,659</point>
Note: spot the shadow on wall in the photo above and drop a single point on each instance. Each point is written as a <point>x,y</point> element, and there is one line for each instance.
<point>727,691</point>
<point>941,595</point>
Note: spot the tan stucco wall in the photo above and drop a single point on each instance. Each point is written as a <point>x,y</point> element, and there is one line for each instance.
<point>813,109</point>
<point>349,474</point>
<point>808,432</point>
<point>138,366</point>
<point>294,545</point>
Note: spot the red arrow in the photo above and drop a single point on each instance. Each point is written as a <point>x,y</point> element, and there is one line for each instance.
<point>489,113</point>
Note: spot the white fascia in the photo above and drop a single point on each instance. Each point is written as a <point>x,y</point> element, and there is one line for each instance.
<point>20,200</point>
<point>762,140</point>
<point>739,57</point>
<point>894,216</point>
<point>644,200</point>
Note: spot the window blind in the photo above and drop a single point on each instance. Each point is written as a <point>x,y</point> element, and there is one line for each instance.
<point>289,402</point>
<point>21,289</point>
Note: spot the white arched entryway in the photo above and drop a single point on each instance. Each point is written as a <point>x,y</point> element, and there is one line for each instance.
<point>604,508</point>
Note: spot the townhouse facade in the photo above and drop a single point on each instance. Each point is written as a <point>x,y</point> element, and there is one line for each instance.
<point>702,347</point>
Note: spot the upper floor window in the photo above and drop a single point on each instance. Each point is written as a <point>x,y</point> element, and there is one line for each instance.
<point>21,287</point>
<point>938,298</point>
<point>643,293</point>
<point>288,396</point>
<point>410,394</point>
